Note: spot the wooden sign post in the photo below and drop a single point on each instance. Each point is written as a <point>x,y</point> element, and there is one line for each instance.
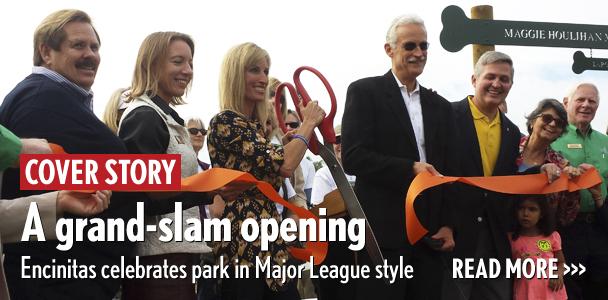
<point>483,12</point>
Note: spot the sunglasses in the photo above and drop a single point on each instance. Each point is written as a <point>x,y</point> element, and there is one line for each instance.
<point>547,119</point>
<point>338,140</point>
<point>292,124</point>
<point>194,131</point>
<point>409,46</point>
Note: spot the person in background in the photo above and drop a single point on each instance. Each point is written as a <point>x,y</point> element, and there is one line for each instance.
<point>206,288</point>
<point>324,182</point>
<point>307,168</point>
<point>585,240</point>
<point>115,108</point>
<point>197,131</point>
<point>237,141</point>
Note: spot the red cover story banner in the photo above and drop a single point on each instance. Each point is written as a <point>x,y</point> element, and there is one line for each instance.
<point>117,172</point>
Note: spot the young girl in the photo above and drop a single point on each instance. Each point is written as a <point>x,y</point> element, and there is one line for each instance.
<point>534,237</point>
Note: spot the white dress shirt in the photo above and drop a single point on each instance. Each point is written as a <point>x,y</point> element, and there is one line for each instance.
<point>414,109</point>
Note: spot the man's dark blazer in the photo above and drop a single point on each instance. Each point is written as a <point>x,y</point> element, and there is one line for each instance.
<point>379,147</point>
<point>476,207</point>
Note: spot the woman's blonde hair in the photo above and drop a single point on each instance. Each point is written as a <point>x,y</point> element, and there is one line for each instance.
<point>273,122</point>
<point>232,79</point>
<point>149,63</point>
<point>114,108</point>
<point>273,83</point>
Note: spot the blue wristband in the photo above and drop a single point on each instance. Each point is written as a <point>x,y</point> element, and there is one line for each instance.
<point>302,138</point>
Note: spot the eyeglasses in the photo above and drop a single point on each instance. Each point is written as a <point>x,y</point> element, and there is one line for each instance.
<point>409,46</point>
<point>338,140</point>
<point>548,118</point>
<point>292,124</point>
<point>194,131</point>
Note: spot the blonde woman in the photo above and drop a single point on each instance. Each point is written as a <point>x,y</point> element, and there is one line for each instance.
<point>237,141</point>
<point>115,108</point>
<point>150,125</point>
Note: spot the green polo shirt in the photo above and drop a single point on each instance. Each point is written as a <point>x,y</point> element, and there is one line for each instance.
<point>10,147</point>
<point>591,149</point>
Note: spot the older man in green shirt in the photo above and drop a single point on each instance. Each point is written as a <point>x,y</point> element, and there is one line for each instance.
<point>585,241</point>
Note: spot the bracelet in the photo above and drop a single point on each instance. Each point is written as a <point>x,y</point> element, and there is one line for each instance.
<point>302,138</point>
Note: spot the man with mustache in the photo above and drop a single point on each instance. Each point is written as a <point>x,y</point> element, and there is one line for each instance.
<point>394,128</point>
<point>55,103</point>
<point>585,241</point>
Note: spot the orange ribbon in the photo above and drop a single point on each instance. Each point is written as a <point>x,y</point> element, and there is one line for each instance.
<point>216,178</point>
<point>516,184</point>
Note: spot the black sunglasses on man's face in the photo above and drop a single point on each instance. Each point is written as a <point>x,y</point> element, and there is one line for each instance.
<point>409,46</point>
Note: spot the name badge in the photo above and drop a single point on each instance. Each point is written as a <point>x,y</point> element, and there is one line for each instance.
<point>575,146</point>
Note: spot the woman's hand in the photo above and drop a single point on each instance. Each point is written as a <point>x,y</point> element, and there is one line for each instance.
<point>312,113</point>
<point>551,170</point>
<point>572,171</point>
<point>216,209</point>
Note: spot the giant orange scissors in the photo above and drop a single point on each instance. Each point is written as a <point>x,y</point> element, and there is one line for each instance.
<point>326,151</point>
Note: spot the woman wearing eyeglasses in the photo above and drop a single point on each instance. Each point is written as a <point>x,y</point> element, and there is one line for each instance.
<point>545,124</point>
<point>237,141</point>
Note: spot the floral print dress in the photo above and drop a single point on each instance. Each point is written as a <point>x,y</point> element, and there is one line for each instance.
<point>237,143</point>
<point>566,204</point>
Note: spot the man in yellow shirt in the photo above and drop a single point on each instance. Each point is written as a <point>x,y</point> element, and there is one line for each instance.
<point>488,143</point>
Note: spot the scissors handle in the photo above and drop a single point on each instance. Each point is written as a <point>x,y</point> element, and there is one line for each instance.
<point>327,125</point>
<point>299,92</point>
<point>278,108</point>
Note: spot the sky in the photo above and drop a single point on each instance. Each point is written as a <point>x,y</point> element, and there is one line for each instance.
<point>343,40</point>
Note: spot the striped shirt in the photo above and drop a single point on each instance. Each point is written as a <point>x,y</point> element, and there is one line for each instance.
<point>65,82</point>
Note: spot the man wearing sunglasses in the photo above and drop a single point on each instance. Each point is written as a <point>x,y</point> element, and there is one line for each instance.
<point>392,129</point>
<point>585,241</point>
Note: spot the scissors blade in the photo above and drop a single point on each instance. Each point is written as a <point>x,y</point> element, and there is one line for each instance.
<point>351,202</point>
